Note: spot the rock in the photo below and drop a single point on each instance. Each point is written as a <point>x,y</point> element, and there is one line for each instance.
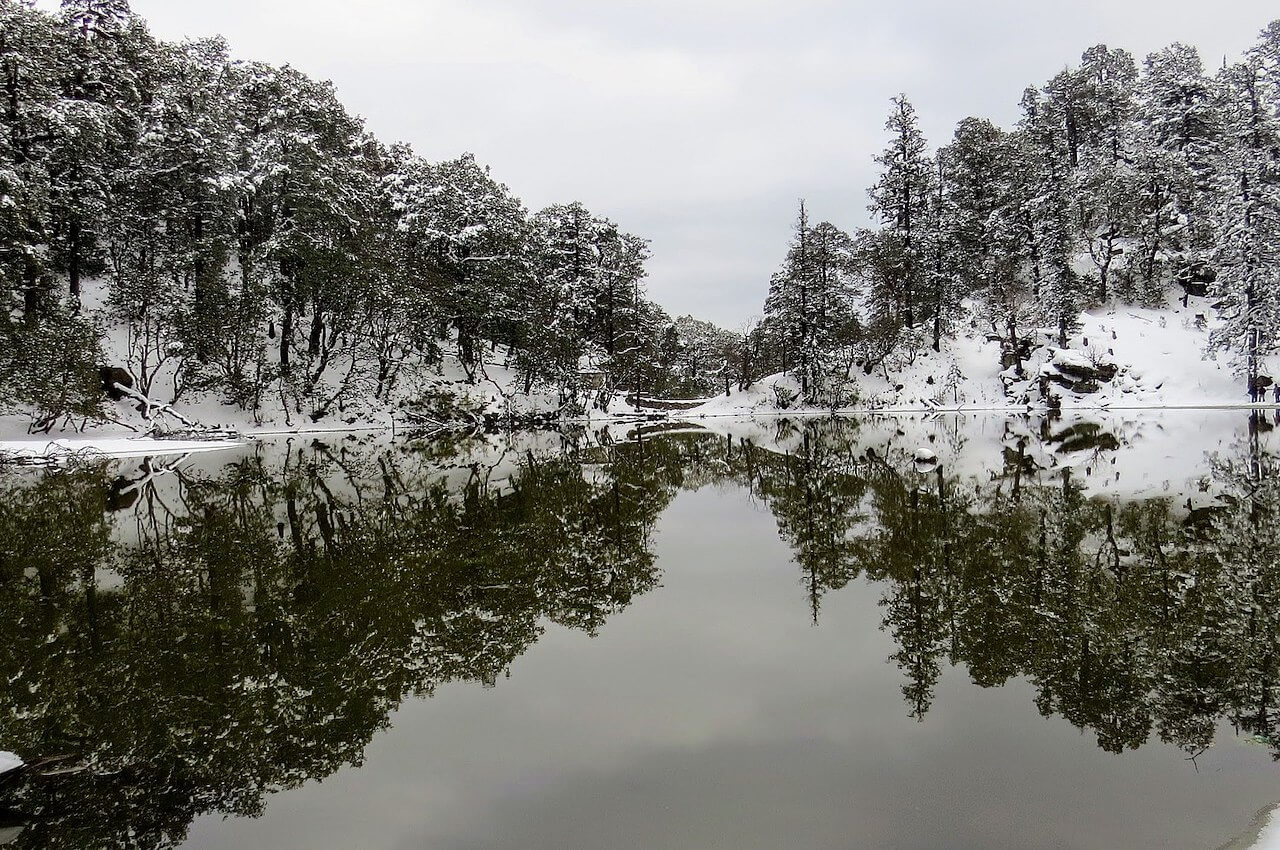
<point>925,460</point>
<point>112,375</point>
<point>1197,288</point>
<point>1081,372</point>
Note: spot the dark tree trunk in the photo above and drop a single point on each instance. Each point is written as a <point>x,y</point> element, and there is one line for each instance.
<point>317,333</point>
<point>73,260</point>
<point>286,337</point>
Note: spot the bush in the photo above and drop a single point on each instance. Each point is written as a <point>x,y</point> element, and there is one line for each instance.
<point>49,367</point>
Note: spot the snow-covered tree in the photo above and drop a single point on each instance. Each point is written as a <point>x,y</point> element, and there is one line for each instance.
<point>1048,152</point>
<point>1177,143</point>
<point>1248,280</point>
<point>810,309</point>
<point>899,200</point>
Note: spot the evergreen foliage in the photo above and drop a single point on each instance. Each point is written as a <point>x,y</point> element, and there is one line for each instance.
<point>253,243</point>
<point>1120,184</point>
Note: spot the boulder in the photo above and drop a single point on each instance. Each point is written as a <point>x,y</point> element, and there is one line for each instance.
<point>112,375</point>
<point>1079,372</point>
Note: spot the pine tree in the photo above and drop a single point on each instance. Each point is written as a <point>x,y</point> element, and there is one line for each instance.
<point>899,200</point>
<point>105,81</point>
<point>31,57</point>
<point>1248,281</point>
<point>810,309</point>
<point>1179,137</point>
<point>1105,184</point>
<point>1050,149</point>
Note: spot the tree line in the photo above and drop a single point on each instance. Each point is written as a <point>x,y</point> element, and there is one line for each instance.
<point>1119,184</point>
<point>260,246</point>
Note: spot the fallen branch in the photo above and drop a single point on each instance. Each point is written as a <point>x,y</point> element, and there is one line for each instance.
<point>150,405</point>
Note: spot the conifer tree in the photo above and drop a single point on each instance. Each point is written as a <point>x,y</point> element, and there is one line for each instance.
<point>899,200</point>
<point>1248,280</point>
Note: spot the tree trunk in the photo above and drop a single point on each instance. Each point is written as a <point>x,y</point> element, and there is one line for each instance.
<point>286,337</point>
<point>73,260</point>
<point>317,333</point>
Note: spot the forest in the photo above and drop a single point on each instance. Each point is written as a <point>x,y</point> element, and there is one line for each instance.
<point>180,228</point>
<point>228,230</point>
<point>1122,184</point>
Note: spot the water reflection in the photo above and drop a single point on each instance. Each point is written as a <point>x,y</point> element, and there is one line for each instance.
<point>193,638</point>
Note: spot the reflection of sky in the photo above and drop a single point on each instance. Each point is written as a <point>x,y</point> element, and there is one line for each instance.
<point>712,714</point>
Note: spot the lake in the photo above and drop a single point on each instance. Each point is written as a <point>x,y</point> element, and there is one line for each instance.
<point>893,631</point>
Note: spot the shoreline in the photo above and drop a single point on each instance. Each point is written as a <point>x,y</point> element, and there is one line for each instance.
<point>26,450</point>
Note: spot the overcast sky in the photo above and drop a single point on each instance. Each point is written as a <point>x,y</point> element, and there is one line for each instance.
<point>695,123</point>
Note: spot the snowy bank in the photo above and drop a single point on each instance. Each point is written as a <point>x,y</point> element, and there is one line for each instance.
<point>1120,358</point>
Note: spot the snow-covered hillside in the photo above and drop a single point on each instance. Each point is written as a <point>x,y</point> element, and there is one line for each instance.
<point>1155,358</point>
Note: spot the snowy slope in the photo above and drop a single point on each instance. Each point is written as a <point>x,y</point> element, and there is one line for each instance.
<point>1162,358</point>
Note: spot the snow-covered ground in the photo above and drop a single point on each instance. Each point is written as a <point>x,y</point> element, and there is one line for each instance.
<point>9,761</point>
<point>1157,358</point>
<point>1161,357</point>
<point>423,395</point>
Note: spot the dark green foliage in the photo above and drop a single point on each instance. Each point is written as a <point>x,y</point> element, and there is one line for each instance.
<point>49,365</point>
<point>240,657</point>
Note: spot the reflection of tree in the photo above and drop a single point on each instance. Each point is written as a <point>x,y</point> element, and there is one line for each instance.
<point>269,619</point>
<point>265,621</point>
<point>816,506</point>
<point>1127,616</point>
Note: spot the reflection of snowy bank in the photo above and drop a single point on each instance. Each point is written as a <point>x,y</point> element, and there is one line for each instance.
<point>1263,833</point>
<point>90,448</point>
<point>1176,454</point>
<point>1269,834</point>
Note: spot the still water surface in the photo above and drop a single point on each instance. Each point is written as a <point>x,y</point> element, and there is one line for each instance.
<point>777,634</point>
